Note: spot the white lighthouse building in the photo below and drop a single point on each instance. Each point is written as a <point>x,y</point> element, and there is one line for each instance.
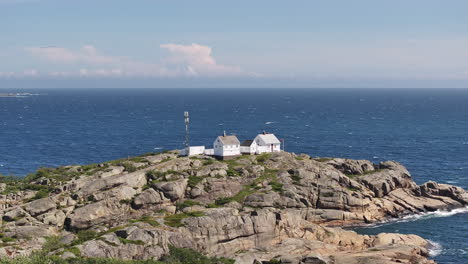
<point>267,142</point>
<point>226,146</point>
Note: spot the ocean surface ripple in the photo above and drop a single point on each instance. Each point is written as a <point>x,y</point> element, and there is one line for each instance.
<point>424,129</point>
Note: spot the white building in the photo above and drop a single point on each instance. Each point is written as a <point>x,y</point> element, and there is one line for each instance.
<point>226,146</point>
<point>267,142</point>
<point>248,147</point>
<point>193,150</point>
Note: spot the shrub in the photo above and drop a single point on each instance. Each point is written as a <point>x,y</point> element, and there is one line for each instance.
<point>129,167</point>
<point>263,157</point>
<point>190,256</point>
<point>232,172</point>
<point>52,243</point>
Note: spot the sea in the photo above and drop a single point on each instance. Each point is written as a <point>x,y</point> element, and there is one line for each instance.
<point>424,129</point>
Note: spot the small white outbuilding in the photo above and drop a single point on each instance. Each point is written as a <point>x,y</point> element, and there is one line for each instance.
<point>248,147</point>
<point>226,146</point>
<point>193,150</point>
<point>267,142</point>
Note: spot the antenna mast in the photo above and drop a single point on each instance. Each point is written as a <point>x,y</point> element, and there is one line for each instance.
<point>187,122</point>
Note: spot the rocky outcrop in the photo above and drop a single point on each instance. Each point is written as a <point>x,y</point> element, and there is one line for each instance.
<point>282,206</point>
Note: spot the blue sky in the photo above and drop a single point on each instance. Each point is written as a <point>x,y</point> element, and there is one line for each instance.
<point>360,43</point>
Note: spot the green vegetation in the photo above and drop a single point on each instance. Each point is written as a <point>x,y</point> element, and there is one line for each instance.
<point>186,203</point>
<point>299,158</point>
<point>159,176</point>
<point>52,243</point>
<point>175,220</point>
<point>263,157</point>
<point>189,256</point>
<point>249,189</point>
<point>176,256</point>
<point>15,184</point>
<point>296,178</point>
<point>128,241</point>
<point>146,219</point>
<point>232,172</point>
<point>353,189</point>
<point>276,186</point>
<point>83,236</point>
<point>208,162</point>
<point>6,239</point>
<point>129,167</point>
<point>194,181</point>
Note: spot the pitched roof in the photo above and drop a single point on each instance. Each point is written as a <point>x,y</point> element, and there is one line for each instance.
<point>247,143</point>
<point>229,140</point>
<point>269,138</point>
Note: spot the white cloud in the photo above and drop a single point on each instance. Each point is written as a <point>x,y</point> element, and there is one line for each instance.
<point>197,60</point>
<point>183,60</point>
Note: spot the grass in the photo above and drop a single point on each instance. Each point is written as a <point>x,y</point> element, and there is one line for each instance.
<point>296,178</point>
<point>190,256</point>
<point>208,162</point>
<point>186,203</point>
<point>175,256</point>
<point>232,172</point>
<point>353,189</point>
<point>146,219</point>
<point>128,241</point>
<point>249,189</point>
<point>52,243</point>
<point>276,186</point>
<point>299,158</point>
<point>175,220</point>
<point>129,167</point>
<point>83,236</point>
<point>263,157</point>
<point>194,181</point>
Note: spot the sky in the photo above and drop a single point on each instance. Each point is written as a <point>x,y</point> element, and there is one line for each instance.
<point>213,43</point>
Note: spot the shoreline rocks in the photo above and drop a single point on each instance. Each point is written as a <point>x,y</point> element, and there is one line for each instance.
<point>283,206</point>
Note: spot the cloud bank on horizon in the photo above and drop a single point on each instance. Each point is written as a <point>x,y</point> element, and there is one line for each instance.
<point>183,61</point>
<point>338,43</point>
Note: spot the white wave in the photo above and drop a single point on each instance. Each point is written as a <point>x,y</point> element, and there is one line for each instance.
<point>435,214</point>
<point>269,122</point>
<point>158,147</point>
<point>452,182</point>
<point>434,248</point>
<point>421,216</point>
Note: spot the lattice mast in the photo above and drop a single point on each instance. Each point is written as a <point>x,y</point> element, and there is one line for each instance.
<point>187,131</point>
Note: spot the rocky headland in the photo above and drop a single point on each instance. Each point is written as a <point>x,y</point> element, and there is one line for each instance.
<point>271,208</point>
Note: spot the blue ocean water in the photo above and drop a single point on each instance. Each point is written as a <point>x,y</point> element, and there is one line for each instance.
<point>424,129</point>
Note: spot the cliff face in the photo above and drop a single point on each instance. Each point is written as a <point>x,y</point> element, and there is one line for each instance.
<point>255,208</point>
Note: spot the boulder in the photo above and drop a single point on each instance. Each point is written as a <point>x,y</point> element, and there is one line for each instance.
<point>40,206</point>
<point>148,197</point>
<point>93,214</point>
<point>348,166</point>
<point>173,190</point>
